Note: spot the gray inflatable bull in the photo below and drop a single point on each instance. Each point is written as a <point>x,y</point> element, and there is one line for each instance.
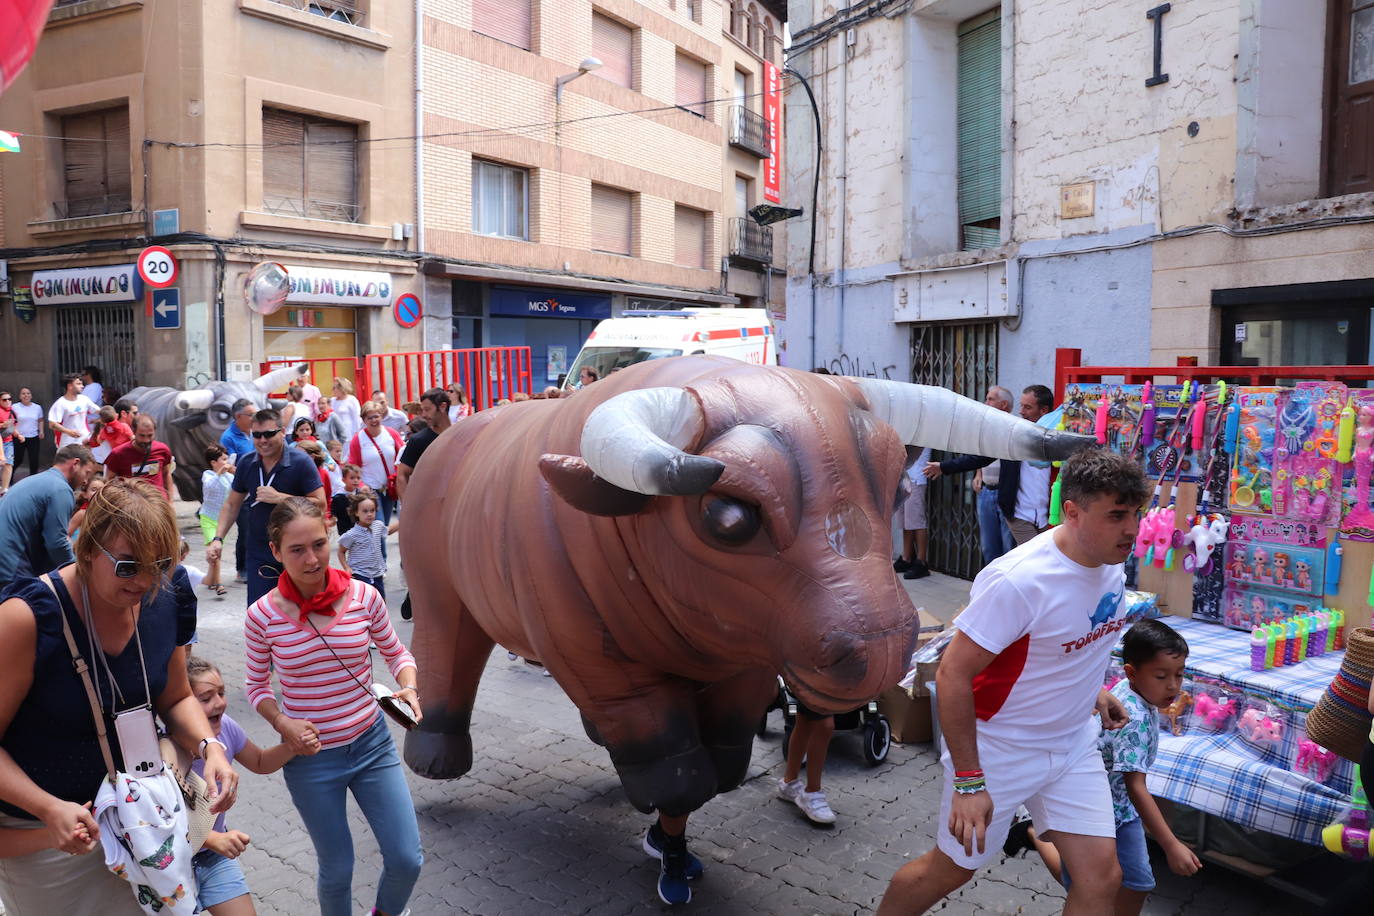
<point>189,420</point>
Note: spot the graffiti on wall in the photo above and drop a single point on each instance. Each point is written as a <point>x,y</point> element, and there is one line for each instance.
<point>844,364</point>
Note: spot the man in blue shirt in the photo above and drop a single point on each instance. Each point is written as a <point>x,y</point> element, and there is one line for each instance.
<point>239,444</point>
<point>263,479</point>
<point>35,512</point>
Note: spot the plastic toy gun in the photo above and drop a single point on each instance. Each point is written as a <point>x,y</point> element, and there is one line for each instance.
<point>1352,837</point>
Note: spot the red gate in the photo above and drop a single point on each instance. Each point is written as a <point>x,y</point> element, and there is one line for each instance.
<point>487,374</point>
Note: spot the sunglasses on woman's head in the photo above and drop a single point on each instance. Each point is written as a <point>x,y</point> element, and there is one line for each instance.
<point>127,569</point>
<point>265,433</point>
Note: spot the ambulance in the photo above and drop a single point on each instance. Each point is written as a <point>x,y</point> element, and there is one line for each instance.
<point>743,334</point>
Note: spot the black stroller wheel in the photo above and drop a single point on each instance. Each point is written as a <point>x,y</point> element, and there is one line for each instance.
<point>877,740</point>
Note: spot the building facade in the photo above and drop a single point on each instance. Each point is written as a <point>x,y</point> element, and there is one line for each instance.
<point>557,195</point>
<point>231,134</point>
<point>1152,182</point>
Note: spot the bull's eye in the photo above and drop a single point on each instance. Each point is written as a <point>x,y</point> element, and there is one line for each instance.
<point>730,520</point>
<point>903,491</point>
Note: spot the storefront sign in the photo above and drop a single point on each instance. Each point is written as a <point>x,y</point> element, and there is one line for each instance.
<point>23,303</point>
<point>547,303</point>
<point>116,283</point>
<point>338,287</point>
<point>772,113</point>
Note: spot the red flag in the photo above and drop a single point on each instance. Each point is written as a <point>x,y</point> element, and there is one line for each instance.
<point>21,21</point>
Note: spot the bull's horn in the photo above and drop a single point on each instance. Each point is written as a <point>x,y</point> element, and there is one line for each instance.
<point>636,440</point>
<point>278,379</point>
<point>196,399</point>
<point>924,415</point>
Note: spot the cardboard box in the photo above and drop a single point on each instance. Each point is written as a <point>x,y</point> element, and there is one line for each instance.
<point>909,716</point>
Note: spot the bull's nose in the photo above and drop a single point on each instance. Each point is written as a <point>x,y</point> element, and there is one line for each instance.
<point>848,531</point>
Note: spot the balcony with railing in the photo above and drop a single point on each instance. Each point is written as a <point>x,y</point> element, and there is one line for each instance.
<point>76,208</point>
<point>347,11</point>
<point>749,242</point>
<point>310,208</point>
<point>749,131</point>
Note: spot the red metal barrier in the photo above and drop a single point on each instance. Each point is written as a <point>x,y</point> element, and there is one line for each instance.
<point>1068,369</point>
<point>487,374</point>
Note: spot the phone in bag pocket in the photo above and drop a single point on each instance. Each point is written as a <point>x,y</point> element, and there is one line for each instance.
<point>399,710</point>
<point>137,734</point>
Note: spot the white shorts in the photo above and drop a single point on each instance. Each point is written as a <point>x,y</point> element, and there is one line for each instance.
<point>1064,791</point>
<point>914,509</point>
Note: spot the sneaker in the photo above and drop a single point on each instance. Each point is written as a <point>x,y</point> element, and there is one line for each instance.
<point>900,565</point>
<point>815,807</point>
<point>511,655</point>
<point>405,608</point>
<point>1018,838</point>
<point>918,570</point>
<point>673,857</point>
<point>788,791</point>
<point>654,839</point>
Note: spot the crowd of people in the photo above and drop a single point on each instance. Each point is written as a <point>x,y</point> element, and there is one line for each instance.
<point>91,546</point>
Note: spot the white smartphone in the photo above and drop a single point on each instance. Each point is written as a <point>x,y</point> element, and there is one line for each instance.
<point>137,734</point>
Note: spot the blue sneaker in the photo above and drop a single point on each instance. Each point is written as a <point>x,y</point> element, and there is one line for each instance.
<point>654,840</point>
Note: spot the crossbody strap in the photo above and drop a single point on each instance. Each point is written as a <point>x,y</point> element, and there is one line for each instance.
<point>84,670</point>
<point>380,453</point>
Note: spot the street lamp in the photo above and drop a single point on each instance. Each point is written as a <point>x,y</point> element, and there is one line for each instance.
<point>768,214</point>
<point>587,66</point>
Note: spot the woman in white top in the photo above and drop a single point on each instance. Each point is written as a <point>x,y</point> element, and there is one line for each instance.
<point>28,430</point>
<point>346,406</point>
<point>459,404</point>
<point>375,449</point>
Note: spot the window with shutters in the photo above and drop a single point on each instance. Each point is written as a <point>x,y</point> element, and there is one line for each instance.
<point>505,20</point>
<point>1350,117</point>
<point>500,200</point>
<point>96,171</point>
<point>693,89</point>
<point>613,45</point>
<point>612,220</point>
<point>689,225</point>
<point>309,166</point>
<point>980,131</point>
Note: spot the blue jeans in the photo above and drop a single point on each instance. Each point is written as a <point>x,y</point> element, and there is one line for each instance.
<point>1134,856</point>
<point>385,507</point>
<point>369,768</point>
<point>377,582</point>
<point>992,527</point>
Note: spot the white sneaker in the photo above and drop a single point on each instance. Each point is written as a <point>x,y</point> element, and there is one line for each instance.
<point>788,791</point>
<point>815,807</point>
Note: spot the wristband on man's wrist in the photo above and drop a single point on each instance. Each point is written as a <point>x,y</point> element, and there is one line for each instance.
<point>216,538</point>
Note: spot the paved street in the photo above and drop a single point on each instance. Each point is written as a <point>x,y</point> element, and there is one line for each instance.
<point>540,825</point>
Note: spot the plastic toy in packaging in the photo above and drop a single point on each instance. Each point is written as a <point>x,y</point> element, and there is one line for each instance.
<point>1358,524</point>
<point>1263,725</point>
<point>1307,474</point>
<point>1292,569</point>
<point>1252,472</point>
<point>1213,709</point>
<point>1314,761</point>
<point>1174,717</point>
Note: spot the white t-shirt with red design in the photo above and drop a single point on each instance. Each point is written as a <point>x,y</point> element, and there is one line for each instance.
<point>1053,623</point>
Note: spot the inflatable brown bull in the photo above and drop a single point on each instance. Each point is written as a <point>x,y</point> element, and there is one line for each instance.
<point>666,541</point>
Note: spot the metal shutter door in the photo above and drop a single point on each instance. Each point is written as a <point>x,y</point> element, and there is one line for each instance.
<point>283,161</point>
<point>690,231</point>
<point>612,44</point>
<point>691,85</point>
<point>504,20</point>
<point>331,160</point>
<point>980,131</point>
<point>611,215</point>
<point>95,162</point>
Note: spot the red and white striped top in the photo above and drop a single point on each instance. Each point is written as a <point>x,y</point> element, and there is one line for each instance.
<point>313,685</point>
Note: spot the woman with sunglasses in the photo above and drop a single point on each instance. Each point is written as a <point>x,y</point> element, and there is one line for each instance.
<point>459,406</point>
<point>314,631</point>
<point>126,623</point>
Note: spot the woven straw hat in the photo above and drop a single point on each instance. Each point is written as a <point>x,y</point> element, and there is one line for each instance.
<point>1341,720</point>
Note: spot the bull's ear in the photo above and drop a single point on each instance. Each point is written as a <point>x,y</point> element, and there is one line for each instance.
<point>190,420</point>
<point>577,485</point>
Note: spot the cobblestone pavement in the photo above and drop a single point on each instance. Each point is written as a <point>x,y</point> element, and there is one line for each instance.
<point>540,825</point>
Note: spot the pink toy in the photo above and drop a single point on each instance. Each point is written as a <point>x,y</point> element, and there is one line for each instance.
<point>1215,714</point>
<point>1312,756</point>
<point>1261,571</point>
<point>1259,727</point>
<point>1156,536</point>
<point>1302,575</point>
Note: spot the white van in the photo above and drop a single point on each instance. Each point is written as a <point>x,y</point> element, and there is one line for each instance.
<point>743,334</point>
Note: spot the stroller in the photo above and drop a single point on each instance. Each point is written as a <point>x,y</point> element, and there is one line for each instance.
<point>877,731</point>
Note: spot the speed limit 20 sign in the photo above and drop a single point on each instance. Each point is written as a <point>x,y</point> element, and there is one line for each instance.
<point>157,266</point>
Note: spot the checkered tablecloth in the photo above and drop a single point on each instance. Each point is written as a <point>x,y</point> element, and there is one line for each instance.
<point>1227,776</point>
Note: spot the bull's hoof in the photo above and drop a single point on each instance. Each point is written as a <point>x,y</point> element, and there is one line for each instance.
<point>436,755</point>
<point>675,785</point>
<point>592,732</point>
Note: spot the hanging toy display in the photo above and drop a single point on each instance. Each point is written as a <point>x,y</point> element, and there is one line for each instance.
<point>1252,473</point>
<point>1307,446</point>
<point>1358,524</point>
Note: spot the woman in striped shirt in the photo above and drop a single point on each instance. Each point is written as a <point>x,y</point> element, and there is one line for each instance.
<point>314,630</point>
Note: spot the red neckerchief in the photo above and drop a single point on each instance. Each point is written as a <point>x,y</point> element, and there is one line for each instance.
<point>335,584</point>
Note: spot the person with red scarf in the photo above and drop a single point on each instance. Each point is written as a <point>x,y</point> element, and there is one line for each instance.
<point>314,631</point>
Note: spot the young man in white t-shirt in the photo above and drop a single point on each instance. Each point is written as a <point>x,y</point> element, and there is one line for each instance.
<point>1017,689</point>
<point>72,414</point>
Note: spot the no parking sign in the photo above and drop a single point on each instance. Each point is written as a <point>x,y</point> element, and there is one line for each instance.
<point>407,310</point>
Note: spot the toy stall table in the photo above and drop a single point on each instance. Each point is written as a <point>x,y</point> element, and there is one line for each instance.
<point>1224,774</point>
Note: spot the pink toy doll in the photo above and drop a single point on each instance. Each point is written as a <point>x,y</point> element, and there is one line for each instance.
<point>1262,572</point>
<point>1259,614</point>
<point>1281,574</point>
<point>1239,570</point>
<point>1302,575</point>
